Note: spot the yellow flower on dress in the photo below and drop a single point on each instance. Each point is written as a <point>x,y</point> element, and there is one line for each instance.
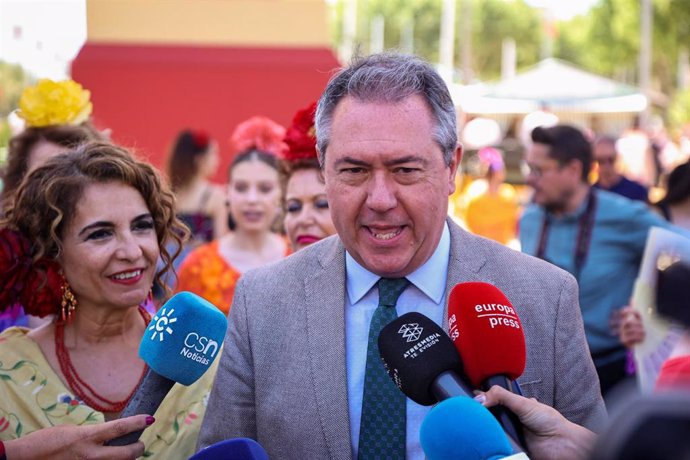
<point>55,103</point>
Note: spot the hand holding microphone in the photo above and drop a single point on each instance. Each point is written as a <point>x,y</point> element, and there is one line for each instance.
<point>548,433</point>
<point>179,345</point>
<point>423,362</point>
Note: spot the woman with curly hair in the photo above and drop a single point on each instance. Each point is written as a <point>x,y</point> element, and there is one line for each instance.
<point>56,118</point>
<point>81,241</point>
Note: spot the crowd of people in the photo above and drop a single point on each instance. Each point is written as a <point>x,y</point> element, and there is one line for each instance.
<point>301,248</point>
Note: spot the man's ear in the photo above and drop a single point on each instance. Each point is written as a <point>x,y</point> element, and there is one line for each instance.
<point>454,167</point>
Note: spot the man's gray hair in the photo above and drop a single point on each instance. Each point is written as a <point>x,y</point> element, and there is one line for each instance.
<point>389,78</point>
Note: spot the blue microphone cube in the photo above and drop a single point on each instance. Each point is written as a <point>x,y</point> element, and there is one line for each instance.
<point>183,338</point>
<point>462,428</point>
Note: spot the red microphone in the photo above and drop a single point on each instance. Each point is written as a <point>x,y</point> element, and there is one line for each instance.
<point>487,333</point>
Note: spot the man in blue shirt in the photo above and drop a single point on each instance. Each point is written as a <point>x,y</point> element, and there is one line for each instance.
<point>610,178</point>
<point>597,236</point>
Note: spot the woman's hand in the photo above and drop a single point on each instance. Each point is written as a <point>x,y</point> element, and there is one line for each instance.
<point>548,434</point>
<point>70,442</point>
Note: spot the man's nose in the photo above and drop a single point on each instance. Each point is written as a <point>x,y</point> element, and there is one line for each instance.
<point>381,194</point>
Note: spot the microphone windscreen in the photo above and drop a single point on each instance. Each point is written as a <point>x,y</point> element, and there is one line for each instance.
<point>462,428</point>
<point>183,338</point>
<point>486,331</point>
<point>235,449</point>
<point>415,351</point>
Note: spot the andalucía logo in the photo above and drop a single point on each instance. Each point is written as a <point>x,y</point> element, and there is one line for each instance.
<point>411,331</point>
<point>161,324</point>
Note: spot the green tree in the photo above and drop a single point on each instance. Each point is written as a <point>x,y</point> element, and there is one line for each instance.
<point>13,80</point>
<point>495,20</point>
<point>492,21</point>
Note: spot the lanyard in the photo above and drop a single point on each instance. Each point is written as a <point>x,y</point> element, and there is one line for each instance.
<point>584,234</point>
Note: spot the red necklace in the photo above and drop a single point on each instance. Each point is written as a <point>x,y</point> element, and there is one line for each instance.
<point>78,385</point>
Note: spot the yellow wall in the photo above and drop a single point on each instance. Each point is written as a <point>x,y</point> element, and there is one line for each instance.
<point>209,22</point>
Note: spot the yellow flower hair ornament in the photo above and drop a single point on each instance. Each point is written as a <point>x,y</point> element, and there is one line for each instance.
<point>55,103</point>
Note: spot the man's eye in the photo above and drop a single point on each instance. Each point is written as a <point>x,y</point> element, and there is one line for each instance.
<point>355,170</point>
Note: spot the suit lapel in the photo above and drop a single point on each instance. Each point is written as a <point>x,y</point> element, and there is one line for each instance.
<point>325,295</point>
<point>466,260</point>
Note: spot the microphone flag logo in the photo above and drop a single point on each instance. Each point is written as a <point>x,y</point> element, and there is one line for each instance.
<point>411,331</point>
<point>160,324</point>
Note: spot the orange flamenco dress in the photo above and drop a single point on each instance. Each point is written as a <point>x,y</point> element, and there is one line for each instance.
<point>207,273</point>
<point>494,216</point>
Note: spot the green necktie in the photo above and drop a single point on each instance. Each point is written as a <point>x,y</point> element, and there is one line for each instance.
<point>382,430</point>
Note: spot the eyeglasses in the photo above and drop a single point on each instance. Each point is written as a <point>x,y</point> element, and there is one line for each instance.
<point>531,170</point>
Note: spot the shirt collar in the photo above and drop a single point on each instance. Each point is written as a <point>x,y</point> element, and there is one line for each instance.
<point>426,278</point>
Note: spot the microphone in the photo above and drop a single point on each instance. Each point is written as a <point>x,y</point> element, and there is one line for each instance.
<point>235,449</point>
<point>488,335</point>
<point>421,359</point>
<point>462,428</point>
<point>179,345</point>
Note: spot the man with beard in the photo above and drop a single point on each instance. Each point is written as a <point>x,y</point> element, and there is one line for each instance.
<point>597,236</point>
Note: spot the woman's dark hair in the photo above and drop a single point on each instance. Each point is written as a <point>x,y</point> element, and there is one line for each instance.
<point>678,185</point>
<point>182,162</point>
<point>248,155</point>
<point>20,146</point>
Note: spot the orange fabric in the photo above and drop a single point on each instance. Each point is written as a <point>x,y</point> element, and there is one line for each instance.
<point>206,273</point>
<point>494,216</point>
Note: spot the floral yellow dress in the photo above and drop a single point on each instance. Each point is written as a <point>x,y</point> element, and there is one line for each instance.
<point>205,272</point>
<point>32,397</point>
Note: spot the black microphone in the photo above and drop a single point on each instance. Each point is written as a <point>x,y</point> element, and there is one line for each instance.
<point>421,359</point>
<point>423,363</point>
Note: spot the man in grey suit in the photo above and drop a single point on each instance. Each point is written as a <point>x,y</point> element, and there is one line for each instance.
<point>292,371</point>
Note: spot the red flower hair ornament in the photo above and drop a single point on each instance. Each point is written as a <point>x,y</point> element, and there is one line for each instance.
<point>259,133</point>
<point>36,285</point>
<point>201,139</point>
<point>301,136</point>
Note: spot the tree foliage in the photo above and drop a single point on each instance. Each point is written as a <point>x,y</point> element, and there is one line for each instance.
<point>13,79</point>
<point>491,22</point>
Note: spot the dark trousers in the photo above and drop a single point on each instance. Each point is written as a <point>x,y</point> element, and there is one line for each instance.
<point>612,374</point>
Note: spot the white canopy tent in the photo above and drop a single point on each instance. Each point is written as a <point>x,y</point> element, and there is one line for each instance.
<point>553,84</point>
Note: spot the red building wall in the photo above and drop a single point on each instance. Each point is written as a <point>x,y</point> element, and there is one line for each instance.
<point>146,93</point>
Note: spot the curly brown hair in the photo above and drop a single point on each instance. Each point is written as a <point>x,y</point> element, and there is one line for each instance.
<point>20,147</point>
<point>48,197</point>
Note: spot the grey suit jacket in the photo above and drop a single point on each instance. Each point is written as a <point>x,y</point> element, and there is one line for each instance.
<point>282,375</point>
